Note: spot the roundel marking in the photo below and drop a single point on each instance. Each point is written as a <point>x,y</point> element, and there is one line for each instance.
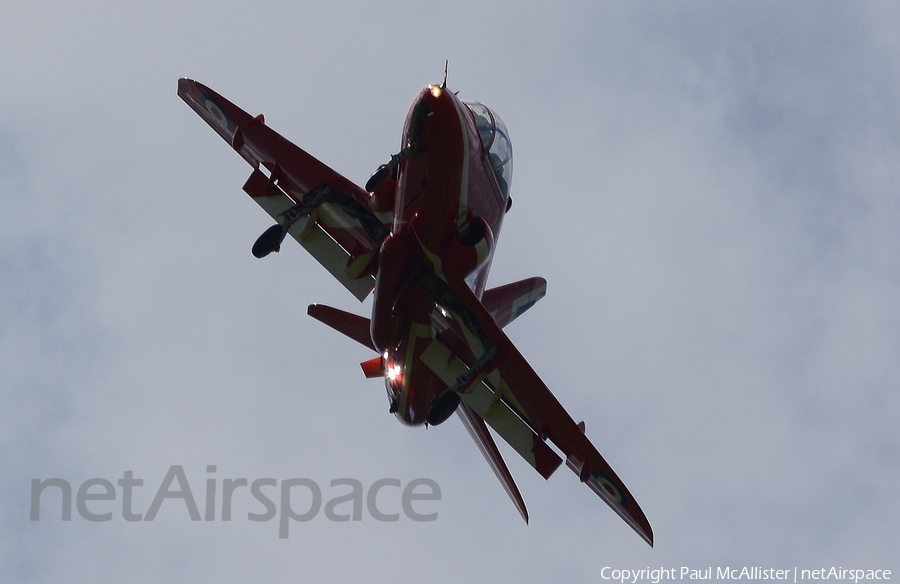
<point>216,113</point>
<point>608,487</point>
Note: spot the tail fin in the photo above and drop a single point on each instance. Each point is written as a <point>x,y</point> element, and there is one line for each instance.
<point>507,302</point>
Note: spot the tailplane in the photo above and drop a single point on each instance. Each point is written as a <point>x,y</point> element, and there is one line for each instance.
<point>507,302</point>
<point>351,325</point>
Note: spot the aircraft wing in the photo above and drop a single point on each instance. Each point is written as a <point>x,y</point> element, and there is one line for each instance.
<point>330,216</point>
<point>514,385</point>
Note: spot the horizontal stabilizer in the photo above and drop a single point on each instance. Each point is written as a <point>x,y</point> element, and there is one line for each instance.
<point>351,325</point>
<point>505,303</point>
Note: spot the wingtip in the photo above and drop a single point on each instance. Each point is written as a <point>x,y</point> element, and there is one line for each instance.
<point>640,526</point>
<point>644,530</point>
<point>184,83</point>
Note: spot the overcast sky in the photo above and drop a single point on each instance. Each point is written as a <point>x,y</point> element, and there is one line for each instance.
<point>710,189</point>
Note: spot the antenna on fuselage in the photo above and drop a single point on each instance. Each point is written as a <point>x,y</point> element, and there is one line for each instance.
<point>446,64</point>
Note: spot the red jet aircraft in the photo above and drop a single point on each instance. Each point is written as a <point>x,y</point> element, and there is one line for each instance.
<point>421,235</point>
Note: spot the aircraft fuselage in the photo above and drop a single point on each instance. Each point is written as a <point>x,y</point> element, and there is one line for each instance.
<point>448,209</point>
<point>421,234</point>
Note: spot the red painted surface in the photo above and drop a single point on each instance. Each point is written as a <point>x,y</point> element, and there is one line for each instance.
<point>423,242</point>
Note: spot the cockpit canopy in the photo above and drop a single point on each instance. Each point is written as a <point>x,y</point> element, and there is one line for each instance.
<point>495,140</point>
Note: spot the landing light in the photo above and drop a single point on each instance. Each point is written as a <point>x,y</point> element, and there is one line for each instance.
<point>436,90</point>
<point>393,372</point>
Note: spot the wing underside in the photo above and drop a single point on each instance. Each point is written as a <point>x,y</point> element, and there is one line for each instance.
<point>330,216</point>
<point>509,395</point>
